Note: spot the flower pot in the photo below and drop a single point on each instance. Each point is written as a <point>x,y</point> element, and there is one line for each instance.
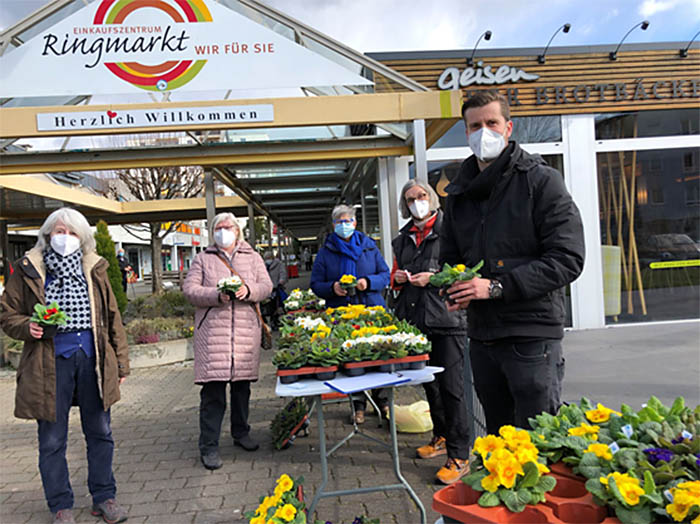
<point>231,294</point>
<point>571,501</point>
<point>419,364</point>
<point>289,379</point>
<point>49,330</point>
<point>562,470</point>
<point>386,368</point>
<point>352,291</point>
<point>326,375</point>
<point>353,372</point>
<point>385,365</point>
<point>460,502</point>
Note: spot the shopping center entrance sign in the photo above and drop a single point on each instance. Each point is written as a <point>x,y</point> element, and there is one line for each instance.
<point>131,46</point>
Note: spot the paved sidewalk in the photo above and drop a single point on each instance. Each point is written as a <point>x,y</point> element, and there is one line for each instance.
<point>160,479</point>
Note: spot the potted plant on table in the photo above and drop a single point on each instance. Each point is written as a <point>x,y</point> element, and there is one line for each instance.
<point>49,318</point>
<point>289,361</point>
<point>323,354</point>
<point>451,274</point>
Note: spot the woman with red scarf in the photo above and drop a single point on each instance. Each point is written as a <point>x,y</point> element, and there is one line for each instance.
<point>416,253</point>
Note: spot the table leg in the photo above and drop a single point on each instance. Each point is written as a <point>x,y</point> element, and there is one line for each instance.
<point>395,459</point>
<point>324,459</point>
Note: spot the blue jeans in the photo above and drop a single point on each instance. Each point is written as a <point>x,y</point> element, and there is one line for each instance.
<point>76,374</point>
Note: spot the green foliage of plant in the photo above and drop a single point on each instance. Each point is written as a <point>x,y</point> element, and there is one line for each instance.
<point>170,303</point>
<point>451,274</point>
<point>286,420</point>
<point>50,315</point>
<point>105,248</point>
<point>144,330</point>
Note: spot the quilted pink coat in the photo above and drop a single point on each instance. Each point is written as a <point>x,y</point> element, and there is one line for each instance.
<point>226,335</point>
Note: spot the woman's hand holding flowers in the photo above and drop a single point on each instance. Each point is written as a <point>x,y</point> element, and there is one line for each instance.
<point>35,330</point>
<point>338,290</point>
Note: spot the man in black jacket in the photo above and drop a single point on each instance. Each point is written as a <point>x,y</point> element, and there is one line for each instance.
<point>511,210</point>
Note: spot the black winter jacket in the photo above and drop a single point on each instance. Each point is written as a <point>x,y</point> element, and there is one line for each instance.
<point>529,235</point>
<point>423,306</point>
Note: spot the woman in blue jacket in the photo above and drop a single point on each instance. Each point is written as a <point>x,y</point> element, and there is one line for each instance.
<point>350,252</point>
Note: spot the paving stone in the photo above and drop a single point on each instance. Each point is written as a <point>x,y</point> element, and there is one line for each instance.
<point>153,509</point>
<point>180,494</point>
<point>200,503</point>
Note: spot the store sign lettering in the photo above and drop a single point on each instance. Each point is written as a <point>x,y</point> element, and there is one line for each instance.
<point>615,92</point>
<point>451,78</point>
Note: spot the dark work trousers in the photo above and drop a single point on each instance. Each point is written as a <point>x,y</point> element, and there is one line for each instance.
<point>212,407</point>
<point>76,374</point>
<point>515,381</point>
<point>445,394</point>
<point>379,396</point>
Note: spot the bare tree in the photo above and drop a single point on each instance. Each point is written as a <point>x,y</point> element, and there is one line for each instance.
<point>162,183</point>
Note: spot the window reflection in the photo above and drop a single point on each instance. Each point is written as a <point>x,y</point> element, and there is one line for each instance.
<point>647,123</point>
<point>650,230</point>
<point>526,130</point>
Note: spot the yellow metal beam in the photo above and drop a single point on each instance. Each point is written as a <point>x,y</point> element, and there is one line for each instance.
<point>21,122</point>
<point>39,186</point>
<point>178,204</point>
<point>167,161</point>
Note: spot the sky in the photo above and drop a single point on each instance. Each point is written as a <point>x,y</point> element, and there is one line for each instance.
<point>411,25</point>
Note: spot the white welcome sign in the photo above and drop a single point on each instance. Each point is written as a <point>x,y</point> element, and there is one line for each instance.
<point>129,46</point>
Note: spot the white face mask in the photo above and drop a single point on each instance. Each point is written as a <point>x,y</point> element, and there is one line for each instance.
<point>486,144</point>
<point>64,245</point>
<point>224,237</point>
<point>420,208</point>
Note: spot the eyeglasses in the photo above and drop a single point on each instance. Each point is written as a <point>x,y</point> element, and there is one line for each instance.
<point>411,200</point>
<point>230,228</point>
<point>345,221</point>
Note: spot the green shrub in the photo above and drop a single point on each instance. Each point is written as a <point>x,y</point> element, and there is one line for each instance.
<point>151,330</point>
<point>168,304</point>
<point>105,248</point>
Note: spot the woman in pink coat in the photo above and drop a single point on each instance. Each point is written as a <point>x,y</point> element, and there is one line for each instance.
<point>227,334</point>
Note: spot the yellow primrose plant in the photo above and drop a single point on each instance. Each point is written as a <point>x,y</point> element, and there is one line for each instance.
<point>282,507</point>
<point>508,470</point>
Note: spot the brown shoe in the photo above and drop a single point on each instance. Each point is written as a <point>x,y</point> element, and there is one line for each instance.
<point>436,447</point>
<point>359,417</point>
<point>63,516</point>
<point>453,470</point>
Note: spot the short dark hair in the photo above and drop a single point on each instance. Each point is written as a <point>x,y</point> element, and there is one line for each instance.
<point>482,98</point>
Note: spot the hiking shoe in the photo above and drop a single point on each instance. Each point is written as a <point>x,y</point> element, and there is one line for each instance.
<point>436,447</point>
<point>358,418</point>
<point>453,470</point>
<point>110,511</point>
<point>63,516</point>
<point>246,443</point>
<point>212,460</point>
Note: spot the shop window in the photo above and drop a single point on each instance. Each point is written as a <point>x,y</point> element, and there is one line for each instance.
<point>672,122</point>
<point>526,130</point>
<point>651,243</point>
<point>690,162</point>
<point>655,164</point>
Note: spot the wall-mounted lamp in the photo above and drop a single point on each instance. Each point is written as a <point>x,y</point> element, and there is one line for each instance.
<point>486,36</point>
<point>684,52</point>
<point>643,24</point>
<point>542,58</point>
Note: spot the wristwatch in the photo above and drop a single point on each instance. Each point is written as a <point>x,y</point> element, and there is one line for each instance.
<point>495,289</point>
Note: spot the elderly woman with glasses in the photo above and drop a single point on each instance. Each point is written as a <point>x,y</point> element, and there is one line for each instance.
<point>226,335</point>
<point>416,253</point>
<point>84,362</point>
<point>350,252</point>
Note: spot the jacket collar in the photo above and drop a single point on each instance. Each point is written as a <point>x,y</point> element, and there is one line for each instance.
<point>243,247</point>
<point>519,160</point>
<point>406,229</point>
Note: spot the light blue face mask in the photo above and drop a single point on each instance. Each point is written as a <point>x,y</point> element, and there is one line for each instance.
<point>345,230</point>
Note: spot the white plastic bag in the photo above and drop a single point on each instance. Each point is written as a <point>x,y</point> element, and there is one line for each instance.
<point>414,418</point>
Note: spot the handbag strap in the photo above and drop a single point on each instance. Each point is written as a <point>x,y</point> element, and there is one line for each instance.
<point>235,273</point>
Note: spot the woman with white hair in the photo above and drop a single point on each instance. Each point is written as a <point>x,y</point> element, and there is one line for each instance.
<point>416,254</point>
<point>86,360</point>
<point>226,335</point>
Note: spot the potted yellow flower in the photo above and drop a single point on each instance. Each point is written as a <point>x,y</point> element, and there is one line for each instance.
<point>349,283</point>
<point>284,506</point>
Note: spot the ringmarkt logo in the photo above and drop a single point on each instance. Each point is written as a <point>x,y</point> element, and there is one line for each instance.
<point>167,75</point>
